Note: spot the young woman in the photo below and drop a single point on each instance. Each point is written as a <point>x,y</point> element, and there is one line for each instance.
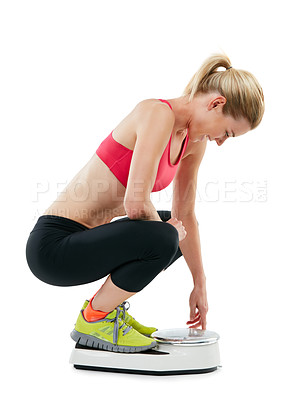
<point>74,242</point>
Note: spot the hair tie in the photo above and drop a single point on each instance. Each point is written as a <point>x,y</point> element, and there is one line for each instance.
<point>228,67</point>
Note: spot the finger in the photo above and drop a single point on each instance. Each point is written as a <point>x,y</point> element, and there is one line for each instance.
<point>194,320</point>
<point>193,313</point>
<point>197,315</point>
<point>203,323</point>
<point>195,326</point>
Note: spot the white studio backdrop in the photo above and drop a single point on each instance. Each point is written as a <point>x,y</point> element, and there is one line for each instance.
<point>69,72</point>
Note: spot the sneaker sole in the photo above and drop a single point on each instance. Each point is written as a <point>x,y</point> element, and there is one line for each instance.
<point>95,343</point>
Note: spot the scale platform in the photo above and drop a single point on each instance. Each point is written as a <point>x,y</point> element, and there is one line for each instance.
<point>178,351</point>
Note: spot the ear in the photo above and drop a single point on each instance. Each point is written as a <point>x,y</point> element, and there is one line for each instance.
<point>217,102</point>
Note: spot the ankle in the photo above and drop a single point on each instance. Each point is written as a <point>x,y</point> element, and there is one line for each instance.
<point>96,307</point>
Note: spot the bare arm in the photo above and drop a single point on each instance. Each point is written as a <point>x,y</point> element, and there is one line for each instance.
<point>184,196</point>
<point>183,208</point>
<point>191,250</point>
<point>154,127</point>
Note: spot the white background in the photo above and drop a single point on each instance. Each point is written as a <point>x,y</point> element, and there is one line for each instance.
<point>70,71</point>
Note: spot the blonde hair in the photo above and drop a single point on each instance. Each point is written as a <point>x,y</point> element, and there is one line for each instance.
<point>241,89</point>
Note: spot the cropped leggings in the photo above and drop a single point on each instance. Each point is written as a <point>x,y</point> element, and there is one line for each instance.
<point>63,252</point>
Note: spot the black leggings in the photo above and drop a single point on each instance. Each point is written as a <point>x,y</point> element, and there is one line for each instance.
<point>63,252</point>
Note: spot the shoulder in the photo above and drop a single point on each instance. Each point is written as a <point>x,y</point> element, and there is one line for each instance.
<point>154,124</point>
<point>154,109</point>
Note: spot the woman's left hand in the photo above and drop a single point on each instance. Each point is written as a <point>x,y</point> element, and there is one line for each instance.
<point>198,307</point>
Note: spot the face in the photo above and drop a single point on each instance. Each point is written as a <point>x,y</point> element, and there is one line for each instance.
<point>212,124</point>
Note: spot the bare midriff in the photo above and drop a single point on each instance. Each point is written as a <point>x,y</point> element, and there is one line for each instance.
<point>95,196</point>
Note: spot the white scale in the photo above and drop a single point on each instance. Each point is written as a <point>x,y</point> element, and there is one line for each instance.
<point>178,351</point>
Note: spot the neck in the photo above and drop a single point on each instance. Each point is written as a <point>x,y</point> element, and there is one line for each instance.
<point>182,111</point>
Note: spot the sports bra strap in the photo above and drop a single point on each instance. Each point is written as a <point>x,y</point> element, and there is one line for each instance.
<point>166,101</point>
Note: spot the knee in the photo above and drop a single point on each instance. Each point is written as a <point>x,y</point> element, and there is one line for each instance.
<point>167,240</point>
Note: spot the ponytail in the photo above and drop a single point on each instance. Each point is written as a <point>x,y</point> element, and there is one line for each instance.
<point>241,89</point>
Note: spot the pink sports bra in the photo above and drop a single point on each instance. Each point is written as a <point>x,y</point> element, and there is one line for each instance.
<point>118,158</point>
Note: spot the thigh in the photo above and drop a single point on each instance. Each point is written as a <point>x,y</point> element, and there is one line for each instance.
<point>92,254</point>
<point>165,215</point>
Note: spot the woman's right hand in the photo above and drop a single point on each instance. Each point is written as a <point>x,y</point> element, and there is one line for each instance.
<point>178,225</point>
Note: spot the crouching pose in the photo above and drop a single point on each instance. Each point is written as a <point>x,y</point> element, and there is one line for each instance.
<point>76,242</point>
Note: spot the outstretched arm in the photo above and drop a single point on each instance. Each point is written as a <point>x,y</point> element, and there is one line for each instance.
<point>184,196</point>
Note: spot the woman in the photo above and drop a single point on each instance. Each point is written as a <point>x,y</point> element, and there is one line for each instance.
<point>74,242</point>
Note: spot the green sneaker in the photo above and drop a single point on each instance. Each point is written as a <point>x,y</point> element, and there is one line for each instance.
<point>144,330</point>
<point>129,320</point>
<point>110,333</point>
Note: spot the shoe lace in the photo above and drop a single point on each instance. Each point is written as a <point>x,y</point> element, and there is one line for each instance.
<point>116,325</point>
<point>124,308</point>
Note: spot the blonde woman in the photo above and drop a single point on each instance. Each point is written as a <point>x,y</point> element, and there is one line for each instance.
<point>75,241</point>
